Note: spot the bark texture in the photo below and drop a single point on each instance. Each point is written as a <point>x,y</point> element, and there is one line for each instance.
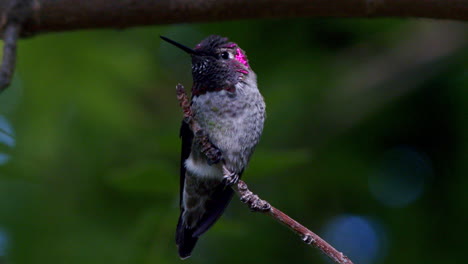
<point>65,15</point>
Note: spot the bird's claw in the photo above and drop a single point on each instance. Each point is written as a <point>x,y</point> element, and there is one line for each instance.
<point>231,179</point>
<point>308,239</point>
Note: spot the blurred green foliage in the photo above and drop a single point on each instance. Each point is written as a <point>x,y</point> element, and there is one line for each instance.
<point>93,174</point>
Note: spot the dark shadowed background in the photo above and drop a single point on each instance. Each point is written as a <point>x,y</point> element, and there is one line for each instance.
<point>366,143</point>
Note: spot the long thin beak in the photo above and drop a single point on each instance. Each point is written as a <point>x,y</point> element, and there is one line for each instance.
<point>180,46</point>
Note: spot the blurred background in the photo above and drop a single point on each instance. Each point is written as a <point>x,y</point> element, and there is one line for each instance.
<point>366,143</point>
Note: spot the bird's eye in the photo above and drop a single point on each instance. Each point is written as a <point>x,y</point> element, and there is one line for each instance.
<point>225,55</point>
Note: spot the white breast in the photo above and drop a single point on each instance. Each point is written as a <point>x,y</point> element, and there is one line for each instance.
<point>202,169</point>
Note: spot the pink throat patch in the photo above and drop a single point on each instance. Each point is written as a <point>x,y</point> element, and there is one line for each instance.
<point>240,57</point>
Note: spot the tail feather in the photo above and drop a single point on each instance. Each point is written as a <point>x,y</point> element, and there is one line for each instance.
<point>186,237</point>
<point>185,240</point>
<point>214,209</point>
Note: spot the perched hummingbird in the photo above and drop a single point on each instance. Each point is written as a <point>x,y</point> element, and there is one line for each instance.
<point>230,109</point>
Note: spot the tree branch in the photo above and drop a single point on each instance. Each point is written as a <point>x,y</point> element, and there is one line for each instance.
<point>12,15</point>
<point>28,17</point>
<point>7,67</point>
<point>246,196</point>
<point>64,15</point>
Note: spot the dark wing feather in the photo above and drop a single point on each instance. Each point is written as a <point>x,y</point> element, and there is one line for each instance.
<point>187,137</point>
<point>186,238</point>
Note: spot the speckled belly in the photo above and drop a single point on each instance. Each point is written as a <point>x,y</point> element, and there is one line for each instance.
<point>233,123</point>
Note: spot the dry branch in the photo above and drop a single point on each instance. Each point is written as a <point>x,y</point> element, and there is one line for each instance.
<point>7,67</point>
<point>37,16</point>
<point>252,200</point>
<point>13,13</point>
<point>65,15</point>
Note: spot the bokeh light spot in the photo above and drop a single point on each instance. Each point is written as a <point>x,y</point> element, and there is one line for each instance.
<point>400,177</point>
<point>4,158</point>
<point>4,240</point>
<point>6,138</point>
<point>6,132</point>
<point>361,239</point>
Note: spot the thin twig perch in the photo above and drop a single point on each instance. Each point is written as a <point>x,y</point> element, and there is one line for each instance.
<point>248,197</point>
<point>10,37</point>
<point>12,17</point>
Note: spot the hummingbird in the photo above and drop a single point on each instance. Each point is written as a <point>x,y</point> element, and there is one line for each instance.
<point>228,106</point>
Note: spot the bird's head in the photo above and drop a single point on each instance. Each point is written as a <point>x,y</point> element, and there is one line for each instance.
<point>217,64</point>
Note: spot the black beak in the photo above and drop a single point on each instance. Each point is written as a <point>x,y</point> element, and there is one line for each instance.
<point>180,46</point>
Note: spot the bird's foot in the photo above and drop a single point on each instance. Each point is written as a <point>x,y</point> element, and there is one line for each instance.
<point>308,239</point>
<point>230,178</point>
